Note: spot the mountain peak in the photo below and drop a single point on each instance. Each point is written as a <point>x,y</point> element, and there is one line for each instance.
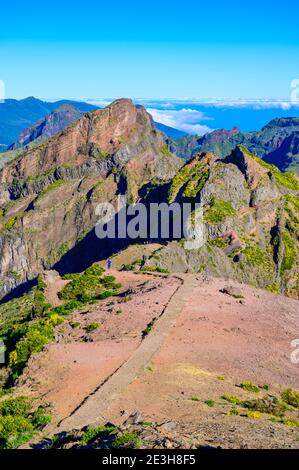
<point>247,164</point>
<point>283,122</point>
<point>30,98</point>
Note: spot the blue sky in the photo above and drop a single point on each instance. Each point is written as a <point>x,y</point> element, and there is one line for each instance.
<point>158,49</point>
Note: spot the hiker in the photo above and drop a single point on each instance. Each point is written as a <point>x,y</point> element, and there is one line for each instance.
<point>109,264</point>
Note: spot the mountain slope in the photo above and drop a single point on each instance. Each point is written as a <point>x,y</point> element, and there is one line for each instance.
<point>277,142</point>
<point>170,131</point>
<point>49,193</point>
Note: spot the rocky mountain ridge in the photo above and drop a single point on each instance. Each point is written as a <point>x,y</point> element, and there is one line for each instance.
<point>276,143</point>
<point>48,196</point>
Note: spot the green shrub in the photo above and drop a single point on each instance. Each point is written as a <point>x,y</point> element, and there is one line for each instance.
<point>87,286</point>
<point>249,386</point>
<point>14,431</point>
<point>51,186</point>
<point>10,223</point>
<point>40,306</point>
<point>129,439</point>
<point>68,307</point>
<point>193,176</point>
<point>291,422</point>
<point>219,242</point>
<point>19,406</point>
<point>289,253</point>
<point>232,399</point>
<point>269,404</point>
<point>41,285</point>
<point>18,423</point>
<point>259,257</point>
<point>93,433</point>
<point>105,294</point>
<point>153,268</point>
<point>39,419</point>
<point>148,328</point>
<point>210,403</point>
<point>37,336</point>
<point>165,150</point>
<point>291,397</point>
<point>218,211</point>
<point>94,270</point>
<point>274,288</point>
<point>92,327</point>
<point>254,414</point>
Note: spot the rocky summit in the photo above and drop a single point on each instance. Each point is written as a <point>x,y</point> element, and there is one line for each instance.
<point>48,193</point>
<point>251,221</point>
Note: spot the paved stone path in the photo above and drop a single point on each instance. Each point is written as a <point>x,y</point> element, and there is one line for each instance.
<point>93,407</point>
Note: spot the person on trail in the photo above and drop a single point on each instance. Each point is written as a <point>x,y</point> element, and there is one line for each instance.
<point>109,264</point>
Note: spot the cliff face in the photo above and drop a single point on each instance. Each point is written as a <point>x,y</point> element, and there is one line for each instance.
<point>49,193</point>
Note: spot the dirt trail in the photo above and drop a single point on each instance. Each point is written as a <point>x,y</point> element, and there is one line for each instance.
<point>93,407</point>
<point>54,285</point>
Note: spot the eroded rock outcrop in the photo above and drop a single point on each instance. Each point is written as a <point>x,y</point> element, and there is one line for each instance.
<point>48,194</point>
<point>250,222</point>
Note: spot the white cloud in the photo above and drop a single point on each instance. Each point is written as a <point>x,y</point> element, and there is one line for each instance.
<point>101,102</point>
<point>187,120</point>
<point>221,103</point>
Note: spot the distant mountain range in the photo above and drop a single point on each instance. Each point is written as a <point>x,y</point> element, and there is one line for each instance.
<point>15,116</point>
<point>27,122</point>
<point>53,123</point>
<point>23,121</point>
<point>277,143</point>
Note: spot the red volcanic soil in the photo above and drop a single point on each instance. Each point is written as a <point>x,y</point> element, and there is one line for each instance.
<point>213,342</point>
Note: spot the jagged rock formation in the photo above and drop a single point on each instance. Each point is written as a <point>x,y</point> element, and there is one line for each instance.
<point>254,201</point>
<point>277,142</point>
<point>48,197</point>
<point>49,193</point>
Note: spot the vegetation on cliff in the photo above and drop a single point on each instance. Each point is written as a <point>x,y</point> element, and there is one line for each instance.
<point>27,324</point>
